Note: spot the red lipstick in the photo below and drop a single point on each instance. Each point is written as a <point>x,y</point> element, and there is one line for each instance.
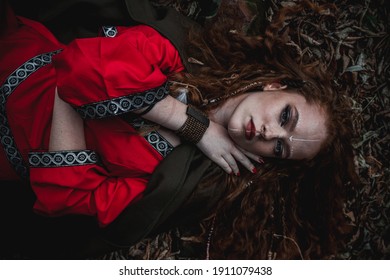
<point>250,130</point>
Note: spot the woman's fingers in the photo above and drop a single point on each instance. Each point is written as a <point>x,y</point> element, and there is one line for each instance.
<point>228,162</point>
<point>232,164</point>
<point>223,151</point>
<point>244,160</point>
<point>224,165</point>
<point>254,157</point>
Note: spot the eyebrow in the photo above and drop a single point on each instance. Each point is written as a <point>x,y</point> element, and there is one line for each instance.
<point>295,120</point>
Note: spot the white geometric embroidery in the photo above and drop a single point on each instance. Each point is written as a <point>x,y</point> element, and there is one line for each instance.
<point>110,31</point>
<point>10,84</point>
<point>159,143</point>
<point>62,158</point>
<point>154,138</point>
<point>122,105</point>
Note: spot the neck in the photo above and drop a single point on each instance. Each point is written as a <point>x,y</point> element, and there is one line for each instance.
<point>222,113</point>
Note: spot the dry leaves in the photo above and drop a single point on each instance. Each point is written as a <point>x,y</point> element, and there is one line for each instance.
<point>354,40</point>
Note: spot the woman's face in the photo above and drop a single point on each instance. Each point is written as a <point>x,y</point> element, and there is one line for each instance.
<point>278,124</point>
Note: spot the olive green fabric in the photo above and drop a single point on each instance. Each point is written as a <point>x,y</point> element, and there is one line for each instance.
<point>166,202</point>
<point>165,20</point>
<point>172,199</point>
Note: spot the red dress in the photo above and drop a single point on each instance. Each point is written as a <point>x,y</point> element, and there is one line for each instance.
<point>102,78</point>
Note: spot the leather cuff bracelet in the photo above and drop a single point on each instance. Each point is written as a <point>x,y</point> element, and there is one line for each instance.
<point>194,127</point>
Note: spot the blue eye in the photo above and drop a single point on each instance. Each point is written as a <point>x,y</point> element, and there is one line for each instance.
<point>278,150</point>
<point>285,115</point>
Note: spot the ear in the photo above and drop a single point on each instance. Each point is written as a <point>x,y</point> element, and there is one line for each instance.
<point>274,86</point>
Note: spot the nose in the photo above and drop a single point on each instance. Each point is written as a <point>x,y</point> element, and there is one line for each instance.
<point>270,132</point>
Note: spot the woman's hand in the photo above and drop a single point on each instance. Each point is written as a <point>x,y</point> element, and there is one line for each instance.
<point>219,147</point>
<point>215,143</point>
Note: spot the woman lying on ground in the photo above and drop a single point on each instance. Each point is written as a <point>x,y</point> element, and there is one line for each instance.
<point>95,118</point>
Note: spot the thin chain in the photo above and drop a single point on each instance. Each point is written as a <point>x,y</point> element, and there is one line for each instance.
<point>242,89</point>
<point>206,102</point>
<point>209,239</point>
<point>271,253</point>
<point>211,231</point>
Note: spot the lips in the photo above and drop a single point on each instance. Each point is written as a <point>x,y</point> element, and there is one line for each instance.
<point>250,130</point>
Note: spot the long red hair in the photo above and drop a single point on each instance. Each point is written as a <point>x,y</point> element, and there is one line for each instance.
<point>290,209</point>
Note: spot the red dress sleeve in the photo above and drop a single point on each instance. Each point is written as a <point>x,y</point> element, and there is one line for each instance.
<point>74,182</point>
<point>102,77</point>
<point>128,67</point>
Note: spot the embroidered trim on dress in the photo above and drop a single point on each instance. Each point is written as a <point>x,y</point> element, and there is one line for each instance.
<point>154,138</point>
<point>159,143</point>
<point>122,105</point>
<point>109,31</point>
<point>10,84</point>
<point>62,158</point>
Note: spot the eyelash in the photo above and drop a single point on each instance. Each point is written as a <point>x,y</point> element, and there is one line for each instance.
<point>285,117</point>
<point>278,148</point>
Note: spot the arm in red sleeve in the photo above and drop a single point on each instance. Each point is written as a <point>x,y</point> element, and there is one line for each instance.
<point>157,49</point>
<point>110,76</point>
<point>73,182</point>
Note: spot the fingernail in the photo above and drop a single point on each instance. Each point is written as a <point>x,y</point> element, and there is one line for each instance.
<point>260,160</point>
<point>254,170</point>
<point>238,174</point>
